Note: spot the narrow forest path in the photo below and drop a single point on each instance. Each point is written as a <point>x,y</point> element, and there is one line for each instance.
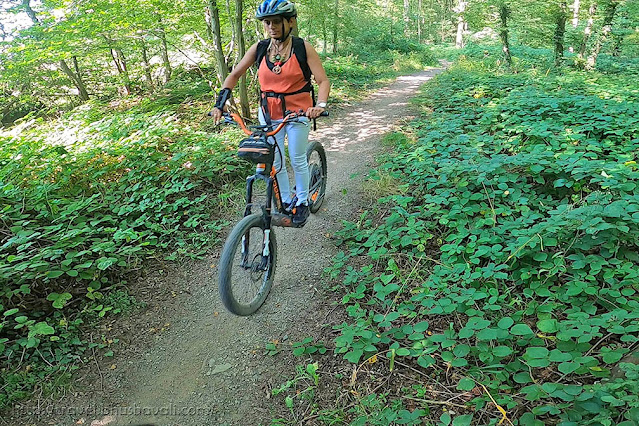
<point>209,367</point>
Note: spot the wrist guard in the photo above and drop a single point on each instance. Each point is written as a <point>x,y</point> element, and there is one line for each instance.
<point>224,96</point>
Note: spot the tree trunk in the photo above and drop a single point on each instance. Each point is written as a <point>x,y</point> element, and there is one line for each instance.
<point>26,4</point>
<point>259,29</point>
<point>406,18</point>
<point>560,31</point>
<point>609,16</point>
<point>76,79</point>
<point>213,22</point>
<point>587,33</point>
<point>234,29</point>
<point>125,71</point>
<point>165,50</point>
<point>244,101</point>
<point>120,66</point>
<point>461,23</point>
<point>419,21</point>
<point>443,19</point>
<point>335,23</point>
<point>324,36</point>
<point>575,13</point>
<point>76,67</point>
<point>145,64</point>
<point>504,13</point>
<point>230,48</point>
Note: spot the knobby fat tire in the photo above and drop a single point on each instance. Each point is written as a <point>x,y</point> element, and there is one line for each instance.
<point>317,147</point>
<point>232,245</point>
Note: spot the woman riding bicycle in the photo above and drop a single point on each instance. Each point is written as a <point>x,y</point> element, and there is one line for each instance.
<point>284,67</point>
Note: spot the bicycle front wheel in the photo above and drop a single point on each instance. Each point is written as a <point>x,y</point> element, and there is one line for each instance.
<point>317,169</point>
<point>246,269</point>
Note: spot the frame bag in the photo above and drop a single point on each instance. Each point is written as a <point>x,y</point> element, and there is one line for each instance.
<point>256,150</point>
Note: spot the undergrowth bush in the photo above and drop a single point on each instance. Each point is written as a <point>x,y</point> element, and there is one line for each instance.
<point>83,202</point>
<point>506,274</point>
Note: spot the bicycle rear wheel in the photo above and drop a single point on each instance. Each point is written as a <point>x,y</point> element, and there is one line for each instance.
<point>317,169</point>
<point>246,276</point>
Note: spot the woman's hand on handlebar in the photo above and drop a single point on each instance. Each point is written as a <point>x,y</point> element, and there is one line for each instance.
<point>314,112</point>
<point>216,114</point>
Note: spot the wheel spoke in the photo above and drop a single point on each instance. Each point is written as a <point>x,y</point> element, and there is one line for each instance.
<point>246,275</point>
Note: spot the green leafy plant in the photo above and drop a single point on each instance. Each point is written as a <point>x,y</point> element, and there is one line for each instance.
<point>271,348</point>
<point>81,210</point>
<point>308,347</point>
<point>299,390</point>
<point>510,262</point>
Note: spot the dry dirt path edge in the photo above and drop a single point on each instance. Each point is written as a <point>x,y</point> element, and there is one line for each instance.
<point>209,367</point>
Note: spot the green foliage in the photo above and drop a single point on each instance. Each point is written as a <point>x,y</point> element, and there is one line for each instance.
<point>308,347</point>
<point>377,409</point>
<point>527,59</point>
<point>512,263</point>
<point>45,357</point>
<point>300,390</point>
<point>87,199</point>
<point>78,212</point>
<point>271,348</point>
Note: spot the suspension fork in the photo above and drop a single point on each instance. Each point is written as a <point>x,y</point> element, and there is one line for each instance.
<point>249,194</point>
<point>266,215</point>
<point>247,211</point>
<point>270,182</point>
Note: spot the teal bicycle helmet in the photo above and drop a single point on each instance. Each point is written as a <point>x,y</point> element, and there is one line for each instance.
<point>284,8</point>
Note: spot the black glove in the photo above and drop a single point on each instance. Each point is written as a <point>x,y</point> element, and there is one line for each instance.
<point>224,96</point>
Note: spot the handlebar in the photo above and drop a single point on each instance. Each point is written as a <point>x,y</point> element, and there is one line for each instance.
<point>289,118</point>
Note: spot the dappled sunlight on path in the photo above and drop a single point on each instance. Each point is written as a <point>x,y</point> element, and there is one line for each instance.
<point>372,118</point>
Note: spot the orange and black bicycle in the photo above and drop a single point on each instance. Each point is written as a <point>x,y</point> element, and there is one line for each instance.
<point>248,260</point>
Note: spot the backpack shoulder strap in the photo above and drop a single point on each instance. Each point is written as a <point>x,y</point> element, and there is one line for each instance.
<point>300,52</point>
<point>299,48</point>
<point>262,46</point>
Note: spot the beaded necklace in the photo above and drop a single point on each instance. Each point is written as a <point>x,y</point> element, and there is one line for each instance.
<point>280,54</point>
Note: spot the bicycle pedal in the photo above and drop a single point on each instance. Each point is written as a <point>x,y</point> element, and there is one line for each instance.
<point>280,219</point>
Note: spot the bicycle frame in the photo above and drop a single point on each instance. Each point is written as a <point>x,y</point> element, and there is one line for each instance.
<point>254,238</point>
<point>280,217</point>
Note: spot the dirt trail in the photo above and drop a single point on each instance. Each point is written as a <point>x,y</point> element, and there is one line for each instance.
<point>209,367</point>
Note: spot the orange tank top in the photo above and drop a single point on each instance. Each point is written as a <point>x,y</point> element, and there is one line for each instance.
<point>289,80</point>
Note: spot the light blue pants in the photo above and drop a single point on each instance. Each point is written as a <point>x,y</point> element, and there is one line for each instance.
<point>297,133</point>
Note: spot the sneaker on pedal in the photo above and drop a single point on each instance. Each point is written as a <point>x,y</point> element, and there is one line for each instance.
<point>302,213</point>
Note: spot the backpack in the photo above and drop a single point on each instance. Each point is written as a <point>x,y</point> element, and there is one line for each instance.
<point>299,50</point>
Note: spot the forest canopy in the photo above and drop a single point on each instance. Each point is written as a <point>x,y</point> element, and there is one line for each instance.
<point>57,54</point>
